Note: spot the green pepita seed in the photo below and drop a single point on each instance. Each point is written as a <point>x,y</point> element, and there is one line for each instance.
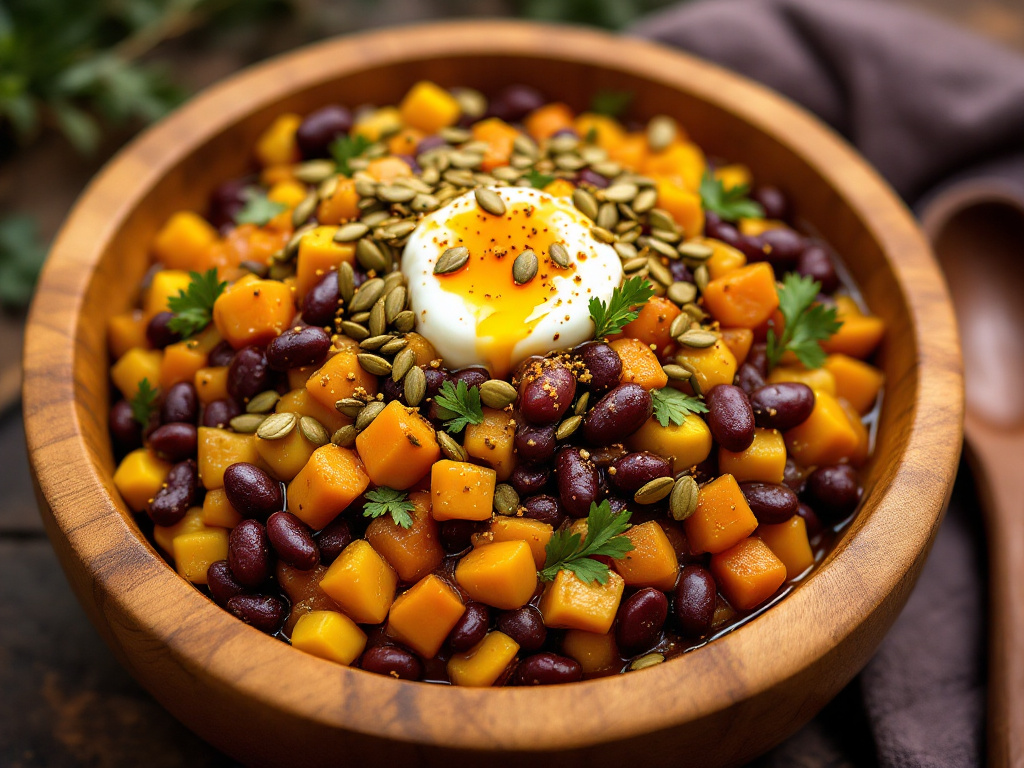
<point>375,218</point>
<point>680,325</point>
<point>346,436</point>
<point>360,317</point>
<point>563,143</point>
<point>506,174</point>
<point>524,268</point>
<point>666,235</point>
<point>661,132</point>
<point>645,200</point>
<point>683,500</point>
<point>327,188</point>
<point>607,216</point>
<point>524,145</point>
<point>302,211</point>
<point>450,448</point>
<point>281,271</point>
<point>395,345</point>
<point>701,277</point>
<point>471,102</point>
<point>697,251</point>
<point>247,423</point>
<point>394,303</point>
<point>314,171</point>
<point>366,187</point>
<point>659,271</point>
<point>395,194</point>
<point>374,364</point>
<point>354,331</point>
<point>314,431</point>
<point>276,426</point>
<point>351,232</point>
<point>648,660</point>
<point>634,265</point>
<point>368,414</point>
<point>414,386</point>
<point>506,500</point>
<point>465,160</point>
<point>495,393</point>
<point>568,427</point>
<point>626,251</point>
<point>581,404</point>
<point>425,203</point>
<point>405,321</point>
<point>366,295</point>
<point>607,168</point>
<point>602,235</point>
<point>694,311</point>
<point>264,402</point>
<point>490,201</point>
<point>292,247</point>
<point>459,178</point>
<point>693,380</point>
<point>455,135</point>
<point>398,230</point>
<point>370,256</point>
<point>349,406</point>
<point>392,280</point>
<point>682,293</point>
<point>585,203</point>
<point>452,260</point>
<point>662,248</point>
<point>374,343</point>
<point>654,491</point>
<point>621,193</point>
<point>403,363</point>
<point>377,322</point>
<point>559,255</point>
<point>569,162</point>
<point>676,372</point>
<point>661,219</point>
<point>698,339</point>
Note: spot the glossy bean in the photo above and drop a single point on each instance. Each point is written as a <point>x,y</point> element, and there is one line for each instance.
<point>392,661</point>
<point>603,365</point>
<point>292,541</point>
<point>180,404</point>
<point>640,620</point>
<point>252,491</point>
<point>393,390</point>
<point>617,415</point>
<point>173,500</point>
<point>436,377</point>
<point>529,480</point>
<point>515,102</point>
<point>783,405</point>
<point>730,417</point>
<point>816,262</point>
<point>545,395</point>
<point>332,539</point>
<point>811,520</point>
<point>175,441</point>
<point>546,509</point>
<point>471,628</point>
<point>248,374</point>
<point>474,376</point>
<point>833,491</point>
<point>220,355</point>
<point>296,347</point>
<point>634,470</point>
<point>794,476</point>
<point>220,412</point>
<point>249,553</point>
<point>773,201</point>
<point>758,357</point>
<point>535,444</point>
<point>126,431</point>
<point>749,379</point>
<point>321,127</point>
<point>591,177</point>
<point>694,604</point>
<point>770,503</point>
<point>227,201</point>
<point>320,304</point>
<point>548,669</point>
<point>680,272</point>
<point>263,612</point>
<point>457,535</point>
<point>525,626</point>
<point>158,330</point>
<point>221,583</point>
<point>578,481</point>
<point>781,247</point>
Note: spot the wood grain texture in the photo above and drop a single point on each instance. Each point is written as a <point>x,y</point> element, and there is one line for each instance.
<point>267,704</point>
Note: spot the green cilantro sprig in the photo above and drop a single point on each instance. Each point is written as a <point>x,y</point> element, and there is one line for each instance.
<point>537,179</point>
<point>388,501</point>
<point>258,208</point>
<point>193,307</point>
<point>566,551</point>
<point>806,323</point>
<point>671,406</point>
<point>143,403</point>
<point>345,148</point>
<point>462,403</point>
<point>611,103</point>
<point>730,204</point>
<point>622,308</point>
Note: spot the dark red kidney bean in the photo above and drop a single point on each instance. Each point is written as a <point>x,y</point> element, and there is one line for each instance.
<point>227,201</point>
<point>158,330</point>
<point>471,628</point>
<point>318,129</point>
<point>457,535</point>
<point>548,669</point>
<point>602,363</point>
<point>296,347</point>
<point>175,441</point>
<point>292,541</point>
<point>783,405</point>
<point>773,201</point>
<point>252,491</point>
<point>724,231</point>
<point>535,444</point>
<point>770,503</point>
<point>617,415</point>
<point>545,396</point>
<point>578,481</point>
<point>320,304</point>
<point>816,262</point>
<point>393,390</point>
<point>220,412</point>
<point>833,491</point>
<point>263,612</point>
<point>640,620</point>
<point>758,357</point>
<point>248,374</point>
<point>617,504</point>
<point>173,500</point>
<point>680,272</point>
<point>249,553</point>
<point>392,661</point>
<point>529,480</point>
<point>220,355</point>
<point>473,376</point>
<point>332,539</point>
<point>781,246</point>
<point>730,417</point>
<point>222,584</point>
<point>749,379</point>
<point>811,520</point>
<point>794,476</point>
<point>436,377</point>
<point>525,626</point>
<point>634,470</point>
<point>515,102</point>
<point>594,179</point>
<point>126,431</point>
<point>180,404</point>
<point>545,508</point>
<point>694,604</point>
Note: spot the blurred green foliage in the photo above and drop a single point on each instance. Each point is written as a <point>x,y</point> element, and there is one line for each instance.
<point>610,14</point>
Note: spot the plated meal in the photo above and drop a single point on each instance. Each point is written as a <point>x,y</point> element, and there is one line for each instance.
<point>482,391</point>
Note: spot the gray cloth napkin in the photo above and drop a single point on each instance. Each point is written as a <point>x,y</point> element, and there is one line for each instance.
<point>933,108</point>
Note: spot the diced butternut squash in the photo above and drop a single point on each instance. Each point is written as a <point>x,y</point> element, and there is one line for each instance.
<point>483,664</point>
<point>211,384</point>
<point>340,377</point>
<point>253,312</point>
<point>194,553</point>
<point>318,255</point>
<point>378,124</point>
<point>461,491</point>
<point>183,359</point>
<point>164,535</point>
<point>681,203</point>
<point>139,476</point>
<point>631,151</point>
<point>276,145</point>
<point>681,159</point>
<point>361,582</point>
<point>722,518</point>
<point>856,381</point>
<point>499,137</point>
<point>414,551</point>
<point>331,480</point>
<point>685,445</point>
<point>428,107</point>
<point>406,141</point>
<point>652,562</point>
<point>764,460</point>
<point>712,365</point>
<point>387,169</point>
<point>744,297</point>
<point>826,437</point>
<point>398,447</point>
<point>858,337</point>
<point>184,242</point>
<point>491,441</point>
<point>724,259</point>
<point>303,590</point>
<point>739,341</point>
<point>606,131</point>
<point>748,573</point>
<point>569,603</point>
<point>286,456</point>
<point>652,324</point>
<point>125,331</point>
<point>218,450</point>
<point>789,542</point>
<point>639,364</point>
<point>341,205</point>
<point>735,175</point>
<point>423,615</point>
<point>818,379</point>
<point>503,575</point>
<point>218,512</point>
<point>289,192</point>
<point>535,533</point>
<point>544,122</point>
<point>860,455</point>
<point>329,635</point>
<point>134,366</point>
<point>597,654</point>
<point>299,402</point>
<point>166,284</point>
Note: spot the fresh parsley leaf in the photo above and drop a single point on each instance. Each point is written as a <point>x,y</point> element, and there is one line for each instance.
<point>566,551</point>
<point>193,307</point>
<point>345,148</point>
<point>806,324</point>
<point>537,179</point>
<point>258,208</point>
<point>622,308</point>
<point>143,403</point>
<point>611,103</point>
<point>388,501</point>
<point>671,406</point>
<point>730,204</point>
<point>462,402</point>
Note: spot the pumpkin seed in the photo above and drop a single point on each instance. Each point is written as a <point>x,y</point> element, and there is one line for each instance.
<point>661,132</point>
<point>662,248</point>
<point>490,201</point>
<point>683,500</point>
<point>350,406</point>
<point>626,251</point>
<point>693,380</point>
<point>395,194</point>
<point>524,145</point>
<point>698,339</point>
<point>682,293</point>
<point>666,236</point>
<point>370,256</point>
<point>694,311</point>
<point>276,426</point>
<point>701,277</point>
<point>404,321</point>
<point>569,162</point>
<point>366,187</point>
<point>375,218</point>
<point>247,423</point>
<point>697,251</point>
<point>559,255</point>
<point>360,317</point>
<point>314,171</point>
<point>459,178</point>
<point>607,168</point>
<point>346,436</point>
<point>375,342</point>
<point>602,235</point>
<point>354,331</point>
<point>679,325</point>
<point>506,173</point>
<point>452,260</point>
<point>568,427</point>
<point>631,236</point>
<point>506,500</point>
<point>654,491</point>
<point>645,200</point>
<point>314,431</point>
<point>648,660</point>
<point>414,386</point>
<point>398,230</point>
<point>351,232</point>
<point>425,203</point>
<point>592,154</point>
<point>281,271</point>
<point>581,404</point>
<point>607,216</point>
<point>676,372</point>
<point>524,268</point>
<point>471,102</point>
<point>455,135</point>
<point>634,264</point>
<point>392,280</point>
<point>621,193</point>
<point>366,295</point>
<point>368,414</point>
<point>465,160</point>
<point>292,247</point>
<point>264,402</point>
<point>495,393</point>
<point>585,203</point>
<point>374,364</point>
<point>394,345</point>
<point>450,448</point>
<point>659,218</point>
<point>659,271</point>
<point>377,322</point>
<point>565,142</point>
<point>638,179</point>
<point>403,363</point>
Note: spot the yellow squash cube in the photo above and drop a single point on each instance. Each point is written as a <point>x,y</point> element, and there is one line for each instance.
<point>194,553</point>
<point>763,461</point>
<point>535,533</point>
<point>826,437</point>
<point>428,107</point>
<point>184,242</point>
<point>218,450</point>
<point>685,445</point>
<point>125,331</point>
<point>712,365</point>
<point>276,145</point>
<point>165,284</point>
<point>286,456</point>
<point>318,255</point>
<point>218,512</point>
<point>856,381</point>
<point>211,384</point>
<point>818,379</point>
<point>483,664</point>
<point>461,491</point>
<point>569,603</point>
<point>164,535</point>
<point>329,635</point>
<point>361,582</point>
<point>597,654</point>
<point>789,542</point>
<point>422,616</point>
<point>652,562</point>
<point>134,366</point>
<point>139,476</point>
<point>491,441</point>
<point>503,575</point>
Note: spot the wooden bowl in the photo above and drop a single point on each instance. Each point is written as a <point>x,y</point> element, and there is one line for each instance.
<point>261,701</point>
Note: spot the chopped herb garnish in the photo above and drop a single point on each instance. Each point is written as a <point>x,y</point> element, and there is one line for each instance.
<point>388,501</point>
<point>730,204</point>
<point>143,403</point>
<point>537,179</point>
<point>807,324</point>
<point>258,208</point>
<point>345,148</point>
<point>671,406</point>
<point>462,402</point>
<point>566,551</point>
<point>622,308</point>
<point>611,103</point>
<point>193,307</point>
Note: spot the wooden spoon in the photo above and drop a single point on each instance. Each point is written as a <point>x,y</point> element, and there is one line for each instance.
<point>978,234</point>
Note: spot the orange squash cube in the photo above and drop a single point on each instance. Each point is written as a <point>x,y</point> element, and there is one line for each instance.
<point>340,377</point>
<point>253,312</point>
<point>299,402</point>
<point>318,255</point>
<point>748,573</point>
<point>218,512</point>
<point>211,384</point>
<point>826,437</point>
<point>607,132</point>
<point>378,124</point>
<point>735,175</point>
<point>165,284</point>
<point>428,107</point>
<point>858,337</point>
<point>491,441</point>
<point>744,297</point>
<point>712,365</point>
<point>341,206</point>
<point>461,491</point>
<point>682,203</point>
<point>722,518</point>
<point>559,188</point>
<point>739,341</point>
<point>568,603</point>
<point>219,449</point>
<point>653,323</point>
<point>724,258</point>
<point>652,562</point>
<point>331,480</point>
<point>764,460</point>
<point>855,380</point>
<point>184,242</point>
<point>535,533</point>
<point>276,145</point>
<point>639,364</point>
<point>544,122</point>
<point>184,359</point>
<point>414,551</point>
<point>398,447</point>
<point>682,159</point>
<point>422,616</point>
<point>499,137</point>
<point>685,445</point>
<point>503,575</point>
<point>139,476</point>
<point>194,553</point>
<point>164,535</point>
<point>483,664</point>
<point>329,635</point>
<point>424,350</point>
<point>789,542</point>
<point>597,654</point>
<point>134,366</point>
<point>361,582</point>
<point>125,331</point>
<point>286,456</point>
